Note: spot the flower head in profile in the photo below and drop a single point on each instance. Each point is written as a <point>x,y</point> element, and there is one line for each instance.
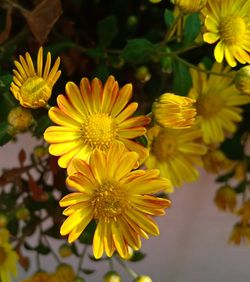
<point>175,152</point>
<point>8,258</point>
<point>228,24</point>
<point>190,6</point>
<point>32,86</point>
<point>91,117</point>
<point>120,200</point>
<point>217,102</point>
<point>173,111</point>
<point>240,234</point>
<point>226,198</point>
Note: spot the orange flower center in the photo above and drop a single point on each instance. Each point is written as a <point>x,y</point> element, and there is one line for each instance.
<point>232,29</point>
<point>164,146</point>
<point>109,201</point>
<point>35,92</point>
<point>3,255</point>
<point>209,105</point>
<point>99,131</point>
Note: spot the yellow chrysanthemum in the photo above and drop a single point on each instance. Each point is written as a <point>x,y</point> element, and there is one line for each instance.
<point>226,198</point>
<point>190,6</point>
<point>121,201</point>
<point>240,234</point>
<point>173,111</point>
<point>94,117</point>
<point>217,103</point>
<point>8,258</point>
<point>228,22</point>
<point>32,86</point>
<point>175,152</point>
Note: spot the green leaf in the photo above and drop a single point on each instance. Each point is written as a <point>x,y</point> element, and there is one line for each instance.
<point>87,236</point>
<point>96,53</point>
<point>168,17</point>
<point>138,50</point>
<point>87,270</point>
<point>42,124</point>
<point>241,187</point>
<point>233,148</point>
<point>192,27</point>
<point>224,177</point>
<point>182,79</point>
<point>137,256</point>
<point>107,30</point>
<point>5,137</point>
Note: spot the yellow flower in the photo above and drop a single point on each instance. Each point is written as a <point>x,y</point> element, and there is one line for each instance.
<point>215,161</point>
<point>226,198</point>
<point>240,234</point>
<point>8,258</point>
<point>174,111</point>
<point>94,117</point>
<point>32,86</point>
<point>65,273</point>
<point>121,201</point>
<point>217,103</point>
<point>228,23</point>
<point>40,276</point>
<point>175,152</point>
<point>244,212</point>
<point>242,80</point>
<point>190,6</point>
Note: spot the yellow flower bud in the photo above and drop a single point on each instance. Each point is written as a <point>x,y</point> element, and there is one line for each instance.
<point>40,151</point>
<point>155,1</point>
<point>190,6</point>
<point>20,119</point>
<point>143,278</point>
<point>65,251</point>
<point>65,270</point>
<point>244,212</point>
<point>3,221</point>
<point>112,276</point>
<point>226,198</point>
<point>143,74</point>
<point>173,111</point>
<point>240,234</point>
<point>242,80</point>
<point>79,279</point>
<point>23,213</point>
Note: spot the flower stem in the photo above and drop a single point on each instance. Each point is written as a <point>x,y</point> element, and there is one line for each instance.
<point>126,267</point>
<point>81,259</point>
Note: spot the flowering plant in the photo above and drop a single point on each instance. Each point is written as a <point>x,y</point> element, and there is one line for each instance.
<point>111,153</point>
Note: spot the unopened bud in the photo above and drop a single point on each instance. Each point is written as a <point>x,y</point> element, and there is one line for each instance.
<point>65,251</point>
<point>3,221</point>
<point>190,6</point>
<point>226,198</point>
<point>242,80</point>
<point>143,74</point>
<point>23,213</point>
<point>112,276</point>
<point>20,119</point>
<point>143,278</point>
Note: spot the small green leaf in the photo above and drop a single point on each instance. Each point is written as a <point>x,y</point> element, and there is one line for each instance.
<point>107,30</point>
<point>241,187</point>
<point>182,79</point>
<point>5,137</point>
<point>138,50</point>
<point>96,53</point>
<point>87,270</point>
<point>224,177</point>
<point>233,148</point>
<point>192,27</point>
<point>137,256</point>
<point>42,124</point>
<point>168,17</point>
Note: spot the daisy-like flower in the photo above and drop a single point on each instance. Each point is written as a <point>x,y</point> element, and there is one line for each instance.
<point>173,111</point>
<point>175,152</point>
<point>8,258</point>
<point>217,102</point>
<point>228,23</point>
<point>92,117</point>
<point>240,234</point>
<point>121,201</point>
<point>31,86</point>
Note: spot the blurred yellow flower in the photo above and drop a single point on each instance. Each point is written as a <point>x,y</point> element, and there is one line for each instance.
<point>175,152</point>
<point>8,258</point>
<point>31,86</point>
<point>190,6</point>
<point>217,103</point>
<point>244,212</point>
<point>40,276</point>
<point>226,198</point>
<point>242,80</point>
<point>121,201</point>
<point>228,22</point>
<point>65,273</point>
<point>173,111</point>
<point>94,117</point>
<point>215,161</point>
<point>240,234</point>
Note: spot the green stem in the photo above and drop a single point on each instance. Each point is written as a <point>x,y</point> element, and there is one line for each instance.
<point>51,249</point>
<point>184,62</point>
<point>171,30</point>
<point>81,259</point>
<point>126,267</point>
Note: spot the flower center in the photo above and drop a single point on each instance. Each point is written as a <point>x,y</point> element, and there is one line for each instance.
<point>109,201</point>
<point>99,131</point>
<point>232,29</point>
<point>165,146</point>
<point>209,105</point>
<point>35,90</point>
<point>3,255</point>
